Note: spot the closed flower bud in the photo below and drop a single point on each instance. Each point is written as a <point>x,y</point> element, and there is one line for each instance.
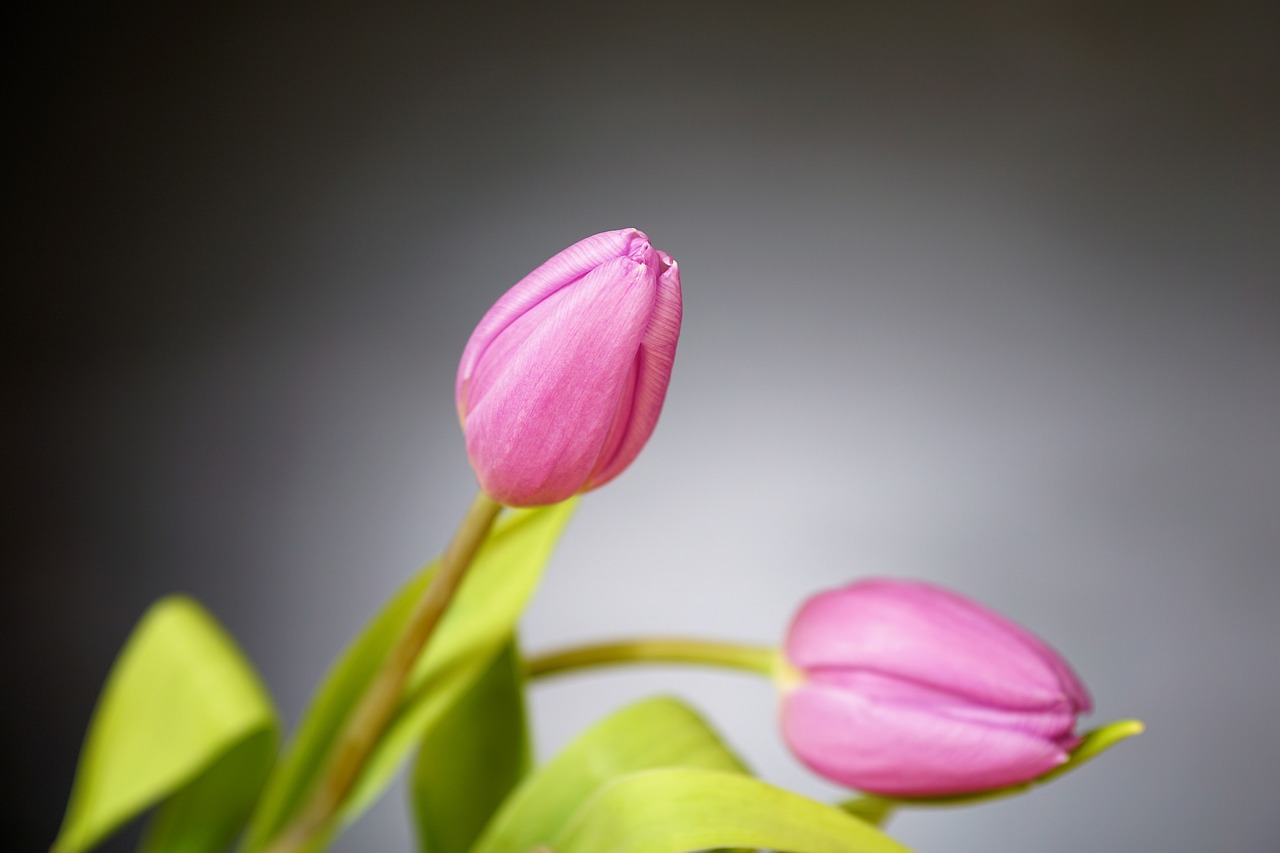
<point>907,689</point>
<point>561,384</point>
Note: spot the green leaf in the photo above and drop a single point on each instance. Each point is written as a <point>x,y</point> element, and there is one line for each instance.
<point>472,758</point>
<point>1092,745</point>
<point>683,809</point>
<point>207,815</point>
<point>472,633</point>
<point>874,810</point>
<point>659,732</point>
<point>182,712</point>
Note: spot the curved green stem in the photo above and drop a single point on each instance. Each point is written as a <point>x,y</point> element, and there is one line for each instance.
<point>757,659</point>
<point>369,719</point>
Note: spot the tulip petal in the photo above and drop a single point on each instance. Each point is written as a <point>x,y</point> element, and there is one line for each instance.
<point>619,426</point>
<point>559,271</point>
<point>638,410</point>
<point>932,636</point>
<point>1052,721</point>
<point>562,382</point>
<point>542,400</point>
<point>899,749</point>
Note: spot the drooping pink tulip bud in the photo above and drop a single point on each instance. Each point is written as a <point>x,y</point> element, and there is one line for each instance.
<point>561,384</point>
<point>908,689</point>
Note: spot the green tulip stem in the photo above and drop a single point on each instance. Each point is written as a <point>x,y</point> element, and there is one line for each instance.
<point>757,659</point>
<point>370,718</point>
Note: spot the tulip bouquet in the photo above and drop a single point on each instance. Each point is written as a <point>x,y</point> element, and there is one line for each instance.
<point>907,693</point>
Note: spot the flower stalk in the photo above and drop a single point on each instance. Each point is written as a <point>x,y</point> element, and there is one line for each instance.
<point>656,650</point>
<point>369,720</point>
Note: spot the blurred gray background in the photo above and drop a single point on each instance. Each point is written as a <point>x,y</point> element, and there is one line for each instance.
<point>975,293</point>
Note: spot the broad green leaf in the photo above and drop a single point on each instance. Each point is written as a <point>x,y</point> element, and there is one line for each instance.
<point>471,759</point>
<point>323,718</point>
<point>659,732</point>
<point>472,633</point>
<point>684,809</point>
<point>207,815</point>
<point>1092,745</point>
<point>181,709</point>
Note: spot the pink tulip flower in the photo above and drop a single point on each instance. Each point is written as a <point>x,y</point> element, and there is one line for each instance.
<point>561,384</point>
<point>908,689</point>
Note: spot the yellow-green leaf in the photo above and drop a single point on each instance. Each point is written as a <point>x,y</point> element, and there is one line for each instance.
<point>658,732</point>
<point>685,809</point>
<point>471,758</point>
<point>181,709</point>
<point>208,814</point>
<point>479,621</point>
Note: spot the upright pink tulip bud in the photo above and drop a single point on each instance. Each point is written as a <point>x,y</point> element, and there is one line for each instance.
<point>908,689</point>
<point>562,382</point>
